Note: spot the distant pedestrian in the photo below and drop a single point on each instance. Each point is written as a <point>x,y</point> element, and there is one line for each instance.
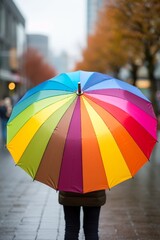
<point>5,112</point>
<point>91,204</point>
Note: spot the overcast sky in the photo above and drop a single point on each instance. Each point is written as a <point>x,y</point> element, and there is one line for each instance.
<point>64,21</point>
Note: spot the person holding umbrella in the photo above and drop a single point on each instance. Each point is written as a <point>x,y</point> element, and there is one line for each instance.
<point>76,133</point>
<point>91,204</point>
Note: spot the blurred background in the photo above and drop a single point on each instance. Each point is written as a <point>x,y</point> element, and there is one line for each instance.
<point>42,38</point>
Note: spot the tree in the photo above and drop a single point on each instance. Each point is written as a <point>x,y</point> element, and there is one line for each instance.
<point>104,46</point>
<point>127,31</point>
<point>35,68</point>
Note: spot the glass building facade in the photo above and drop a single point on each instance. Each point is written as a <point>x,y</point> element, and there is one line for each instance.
<point>93,8</point>
<point>12,43</point>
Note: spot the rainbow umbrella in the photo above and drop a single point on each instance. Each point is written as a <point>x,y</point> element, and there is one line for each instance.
<point>82,131</point>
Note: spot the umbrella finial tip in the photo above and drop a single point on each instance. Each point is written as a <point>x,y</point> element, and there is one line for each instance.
<point>79,91</point>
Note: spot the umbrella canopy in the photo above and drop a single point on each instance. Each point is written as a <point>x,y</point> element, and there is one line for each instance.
<point>82,131</point>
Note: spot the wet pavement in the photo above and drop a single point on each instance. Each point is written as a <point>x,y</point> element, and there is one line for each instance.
<point>30,210</point>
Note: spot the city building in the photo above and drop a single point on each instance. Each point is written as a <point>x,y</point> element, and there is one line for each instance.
<point>40,43</point>
<point>12,44</point>
<point>93,8</point>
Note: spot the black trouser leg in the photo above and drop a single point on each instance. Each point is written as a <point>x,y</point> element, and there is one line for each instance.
<point>91,222</point>
<point>72,222</point>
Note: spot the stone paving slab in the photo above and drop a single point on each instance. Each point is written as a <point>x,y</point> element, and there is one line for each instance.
<point>30,210</point>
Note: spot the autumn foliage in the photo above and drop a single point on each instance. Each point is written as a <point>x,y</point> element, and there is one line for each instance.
<point>35,68</point>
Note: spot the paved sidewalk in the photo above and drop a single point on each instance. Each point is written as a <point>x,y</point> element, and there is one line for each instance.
<point>30,210</point>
